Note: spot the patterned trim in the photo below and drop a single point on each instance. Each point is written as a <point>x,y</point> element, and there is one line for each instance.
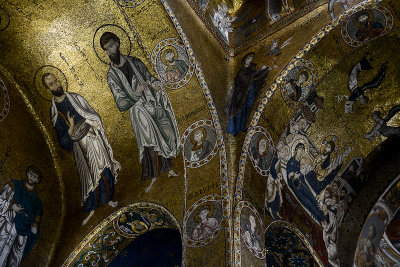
<point>6,105</point>
<point>355,43</point>
<point>157,50</point>
<point>278,81</point>
<point>300,235</point>
<point>238,232</point>
<point>111,221</point>
<point>191,243</point>
<point>226,202</point>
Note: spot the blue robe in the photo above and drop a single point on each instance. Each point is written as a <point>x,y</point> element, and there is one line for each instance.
<point>32,213</point>
<point>302,192</point>
<point>247,86</point>
<point>105,190</point>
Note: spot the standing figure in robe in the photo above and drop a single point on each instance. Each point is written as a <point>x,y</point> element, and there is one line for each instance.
<point>151,114</point>
<point>297,182</point>
<point>20,214</point>
<point>79,129</point>
<point>248,83</point>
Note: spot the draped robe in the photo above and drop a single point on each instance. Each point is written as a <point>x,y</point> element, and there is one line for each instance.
<point>153,120</point>
<point>93,154</point>
<point>16,238</point>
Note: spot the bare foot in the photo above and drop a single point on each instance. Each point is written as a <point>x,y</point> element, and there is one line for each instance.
<point>88,217</point>
<point>112,204</point>
<point>172,173</point>
<point>150,185</point>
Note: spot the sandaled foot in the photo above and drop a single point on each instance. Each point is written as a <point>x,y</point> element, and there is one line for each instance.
<point>88,217</point>
<point>150,185</point>
<point>172,173</point>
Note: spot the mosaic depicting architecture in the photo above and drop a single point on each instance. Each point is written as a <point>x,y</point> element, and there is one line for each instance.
<point>200,133</point>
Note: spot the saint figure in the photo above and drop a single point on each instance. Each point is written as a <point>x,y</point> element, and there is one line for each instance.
<point>176,68</point>
<point>206,225</point>
<point>251,236</point>
<point>20,214</point>
<point>367,28</point>
<point>367,249</point>
<point>201,146</point>
<point>297,169</point>
<point>80,130</point>
<point>248,83</point>
<point>150,111</point>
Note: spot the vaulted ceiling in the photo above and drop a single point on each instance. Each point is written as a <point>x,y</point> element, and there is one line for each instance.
<point>288,159</point>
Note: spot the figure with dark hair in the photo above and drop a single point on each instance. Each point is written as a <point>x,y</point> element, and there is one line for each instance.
<point>20,214</point>
<point>297,170</point>
<point>176,68</point>
<point>79,129</point>
<point>247,86</point>
<point>135,89</point>
<point>206,226</point>
<point>367,27</point>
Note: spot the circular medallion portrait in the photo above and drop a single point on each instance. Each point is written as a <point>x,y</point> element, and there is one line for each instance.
<point>171,63</point>
<point>261,150</point>
<point>204,223</point>
<point>5,98</point>
<point>251,232</point>
<point>49,72</point>
<point>366,25</point>
<point>124,46</point>
<point>131,223</point>
<point>200,144</point>
<point>299,83</point>
<point>4,19</point>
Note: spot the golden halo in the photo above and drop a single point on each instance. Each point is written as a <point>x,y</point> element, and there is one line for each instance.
<point>199,209</point>
<point>301,71</point>
<point>4,19</point>
<point>355,17</point>
<point>133,227</point>
<point>43,91</point>
<point>295,143</point>
<point>195,130</point>
<point>169,47</point>
<point>125,44</point>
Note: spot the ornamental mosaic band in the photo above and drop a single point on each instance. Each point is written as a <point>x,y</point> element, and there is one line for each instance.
<point>150,111</point>
<point>79,129</point>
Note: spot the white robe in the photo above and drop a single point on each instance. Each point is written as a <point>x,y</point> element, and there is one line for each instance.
<point>161,133</point>
<point>12,245</point>
<point>92,153</point>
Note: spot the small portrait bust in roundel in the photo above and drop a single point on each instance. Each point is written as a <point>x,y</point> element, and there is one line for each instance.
<point>297,89</point>
<point>261,151</point>
<point>201,146</point>
<point>367,25</point>
<point>206,223</point>
<point>176,68</point>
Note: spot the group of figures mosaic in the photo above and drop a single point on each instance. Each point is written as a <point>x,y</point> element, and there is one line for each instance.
<point>322,177</point>
<point>80,130</point>
<point>123,229</point>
